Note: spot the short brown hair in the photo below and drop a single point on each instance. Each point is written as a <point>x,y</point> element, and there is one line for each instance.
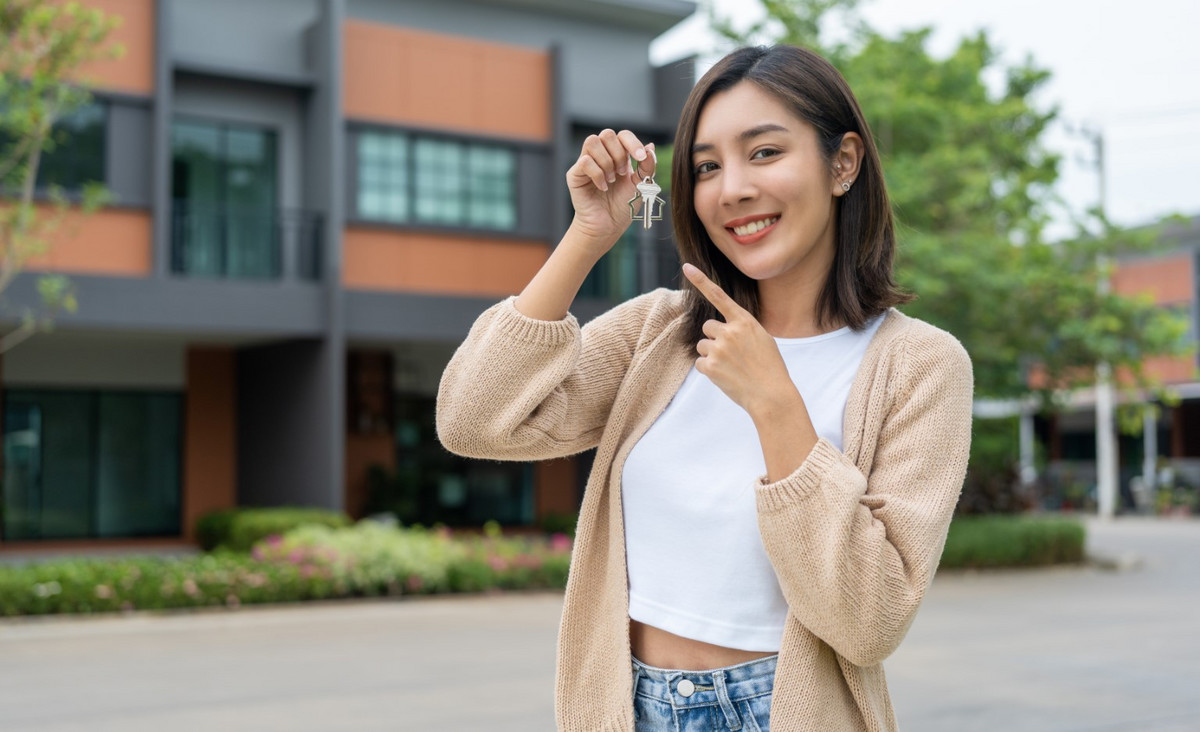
<point>860,284</point>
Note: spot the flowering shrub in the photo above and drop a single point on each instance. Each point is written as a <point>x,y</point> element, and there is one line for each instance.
<point>308,563</point>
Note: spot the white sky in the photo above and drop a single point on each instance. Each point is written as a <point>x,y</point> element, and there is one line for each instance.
<point>1131,70</point>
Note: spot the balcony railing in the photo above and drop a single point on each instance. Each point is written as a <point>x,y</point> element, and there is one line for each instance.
<point>245,243</point>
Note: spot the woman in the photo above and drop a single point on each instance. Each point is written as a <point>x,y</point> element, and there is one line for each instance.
<point>779,450</point>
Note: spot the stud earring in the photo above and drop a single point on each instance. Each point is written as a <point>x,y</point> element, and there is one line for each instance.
<point>845,186</point>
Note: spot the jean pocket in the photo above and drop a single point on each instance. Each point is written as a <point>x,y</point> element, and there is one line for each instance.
<point>756,713</point>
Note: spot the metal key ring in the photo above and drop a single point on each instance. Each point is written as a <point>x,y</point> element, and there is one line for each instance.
<point>637,164</point>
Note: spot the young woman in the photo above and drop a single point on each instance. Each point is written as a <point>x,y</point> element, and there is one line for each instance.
<point>779,450</point>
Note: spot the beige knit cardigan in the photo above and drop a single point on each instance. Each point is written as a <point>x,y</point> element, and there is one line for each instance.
<point>854,535</point>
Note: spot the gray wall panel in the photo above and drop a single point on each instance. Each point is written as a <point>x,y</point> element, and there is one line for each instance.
<point>606,68</point>
<point>184,305</point>
<point>130,127</point>
<point>261,105</point>
<point>537,188</point>
<point>283,427</point>
<point>258,37</point>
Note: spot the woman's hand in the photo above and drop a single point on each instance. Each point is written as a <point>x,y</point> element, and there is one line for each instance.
<point>601,183</point>
<point>743,360</point>
<point>739,356</point>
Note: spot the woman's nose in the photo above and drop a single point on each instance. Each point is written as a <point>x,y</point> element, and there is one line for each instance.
<point>737,185</point>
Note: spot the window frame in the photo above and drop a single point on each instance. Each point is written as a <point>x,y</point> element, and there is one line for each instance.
<point>467,143</point>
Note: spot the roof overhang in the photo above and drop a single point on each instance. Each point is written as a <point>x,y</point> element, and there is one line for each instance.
<point>656,16</point>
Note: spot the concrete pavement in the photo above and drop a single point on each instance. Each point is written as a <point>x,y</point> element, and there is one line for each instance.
<point>1069,650</point>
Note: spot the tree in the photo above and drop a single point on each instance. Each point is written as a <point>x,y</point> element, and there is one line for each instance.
<point>972,188</point>
<point>44,45</point>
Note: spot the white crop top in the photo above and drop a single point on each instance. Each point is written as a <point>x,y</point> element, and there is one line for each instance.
<point>697,567</point>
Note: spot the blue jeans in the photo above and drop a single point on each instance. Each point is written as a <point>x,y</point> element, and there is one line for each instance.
<point>731,698</point>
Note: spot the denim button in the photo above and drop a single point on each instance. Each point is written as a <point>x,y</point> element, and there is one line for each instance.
<point>685,688</point>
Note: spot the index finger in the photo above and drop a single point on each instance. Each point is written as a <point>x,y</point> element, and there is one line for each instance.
<point>712,292</point>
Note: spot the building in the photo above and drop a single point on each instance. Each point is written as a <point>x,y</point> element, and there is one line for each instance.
<point>313,201</point>
<point>1168,449</point>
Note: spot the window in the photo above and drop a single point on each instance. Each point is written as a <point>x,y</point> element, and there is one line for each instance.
<point>81,464</point>
<point>420,179</point>
<point>75,151</point>
<point>224,190</point>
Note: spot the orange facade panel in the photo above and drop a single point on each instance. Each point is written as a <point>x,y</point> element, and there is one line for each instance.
<point>374,259</point>
<point>1168,279</point>
<point>408,77</point>
<point>106,242</point>
<point>133,71</point>
<point>210,434</point>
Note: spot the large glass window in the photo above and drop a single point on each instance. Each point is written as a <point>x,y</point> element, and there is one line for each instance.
<point>225,193</point>
<point>405,178</point>
<point>90,464</point>
<point>76,154</point>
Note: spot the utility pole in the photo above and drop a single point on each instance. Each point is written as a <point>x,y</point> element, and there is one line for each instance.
<point>1106,439</point>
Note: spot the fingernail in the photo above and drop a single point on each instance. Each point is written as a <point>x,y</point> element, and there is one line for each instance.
<point>612,178</point>
<point>688,268</point>
<point>640,153</point>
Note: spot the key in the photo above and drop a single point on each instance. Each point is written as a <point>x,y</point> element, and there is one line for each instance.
<point>648,192</point>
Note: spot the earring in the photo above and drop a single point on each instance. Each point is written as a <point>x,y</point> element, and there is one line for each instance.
<point>845,186</point>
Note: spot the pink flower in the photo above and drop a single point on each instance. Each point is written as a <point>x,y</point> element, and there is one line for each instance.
<point>257,552</point>
<point>560,543</point>
<point>498,564</point>
<point>274,540</point>
<point>296,556</point>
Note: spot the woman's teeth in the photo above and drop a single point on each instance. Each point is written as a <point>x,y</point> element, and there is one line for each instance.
<point>754,226</point>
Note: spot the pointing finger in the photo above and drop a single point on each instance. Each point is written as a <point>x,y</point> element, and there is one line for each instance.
<point>713,293</point>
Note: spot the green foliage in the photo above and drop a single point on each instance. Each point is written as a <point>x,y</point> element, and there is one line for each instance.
<point>993,471</point>
<point>46,44</point>
<point>1012,541</point>
<point>310,562</point>
<point>239,529</point>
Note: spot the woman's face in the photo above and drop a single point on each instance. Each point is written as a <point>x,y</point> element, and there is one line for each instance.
<point>763,190</point>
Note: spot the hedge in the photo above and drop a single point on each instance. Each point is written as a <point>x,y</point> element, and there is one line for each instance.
<point>1012,541</point>
<point>309,563</point>
<point>238,529</point>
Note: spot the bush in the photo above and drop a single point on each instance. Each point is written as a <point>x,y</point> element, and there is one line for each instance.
<point>310,562</point>
<point>1012,541</point>
<point>238,529</point>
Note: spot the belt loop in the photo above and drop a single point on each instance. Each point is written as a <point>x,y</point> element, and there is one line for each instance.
<point>731,716</point>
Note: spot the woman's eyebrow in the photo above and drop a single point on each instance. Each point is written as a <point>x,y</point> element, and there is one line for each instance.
<point>744,136</point>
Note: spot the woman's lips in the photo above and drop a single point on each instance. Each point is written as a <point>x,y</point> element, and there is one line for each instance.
<point>753,233</point>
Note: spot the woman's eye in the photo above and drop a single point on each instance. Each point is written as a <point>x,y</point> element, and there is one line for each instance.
<point>764,153</point>
<point>703,168</point>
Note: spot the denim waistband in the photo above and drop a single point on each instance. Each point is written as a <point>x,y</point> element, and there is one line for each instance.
<point>714,686</point>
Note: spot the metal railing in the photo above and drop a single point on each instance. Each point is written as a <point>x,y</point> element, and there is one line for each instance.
<point>245,243</point>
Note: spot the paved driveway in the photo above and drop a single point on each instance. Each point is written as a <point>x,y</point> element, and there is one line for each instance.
<point>1064,650</point>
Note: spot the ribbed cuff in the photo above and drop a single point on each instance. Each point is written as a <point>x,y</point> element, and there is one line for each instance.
<point>544,333</point>
<point>802,481</point>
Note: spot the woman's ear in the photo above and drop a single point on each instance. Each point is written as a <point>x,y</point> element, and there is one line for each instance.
<point>847,161</point>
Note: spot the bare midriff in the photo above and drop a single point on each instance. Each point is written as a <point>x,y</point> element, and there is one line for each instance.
<point>656,647</point>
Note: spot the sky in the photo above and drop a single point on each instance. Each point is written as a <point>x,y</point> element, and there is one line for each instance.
<point>1130,70</point>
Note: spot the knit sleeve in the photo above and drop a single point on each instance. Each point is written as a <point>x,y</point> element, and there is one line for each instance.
<point>526,389</point>
<point>854,554</point>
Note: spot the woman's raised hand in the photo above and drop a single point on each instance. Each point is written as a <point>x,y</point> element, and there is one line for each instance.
<point>601,183</point>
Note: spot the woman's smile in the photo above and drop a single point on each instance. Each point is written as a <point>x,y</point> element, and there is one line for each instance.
<point>750,229</point>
